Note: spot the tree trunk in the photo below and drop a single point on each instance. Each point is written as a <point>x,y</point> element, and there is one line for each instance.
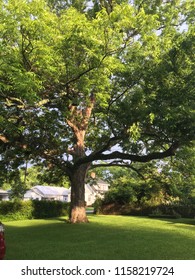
<point>77,206</point>
<point>78,122</point>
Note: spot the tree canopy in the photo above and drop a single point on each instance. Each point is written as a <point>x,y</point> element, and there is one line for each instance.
<point>91,83</point>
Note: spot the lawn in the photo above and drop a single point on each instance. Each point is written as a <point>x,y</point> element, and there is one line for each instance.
<point>105,237</point>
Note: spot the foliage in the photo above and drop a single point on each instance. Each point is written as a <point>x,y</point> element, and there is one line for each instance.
<point>16,210</point>
<point>130,188</point>
<point>97,205</point>
<point>180,173</point>
<point>48,209</point>
<point>13,182</point>
<point>166,187</point>
<point>21,210</point>
<point>20,180</point>
<point>172,210</point>
<point>157,182</point>
<point>36,175</point>
<point>58,6</point>
<point>121,195</point>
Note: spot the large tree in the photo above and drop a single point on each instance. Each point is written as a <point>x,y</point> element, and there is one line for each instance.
<point>111,84</point>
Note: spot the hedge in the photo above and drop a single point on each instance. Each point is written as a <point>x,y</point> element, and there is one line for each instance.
<point>49,208</point>
<point>172,210</point>
<point>32,209</point>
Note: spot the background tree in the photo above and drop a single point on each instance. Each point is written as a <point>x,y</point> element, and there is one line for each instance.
<point>77,90</point>
<point>154,183</point>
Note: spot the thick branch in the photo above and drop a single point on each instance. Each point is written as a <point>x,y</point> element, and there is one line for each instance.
<point>78,121</point>
<point>133,158</point>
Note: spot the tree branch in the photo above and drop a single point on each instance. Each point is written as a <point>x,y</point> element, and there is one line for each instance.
<point>111,142</point>
<point>133,158</point>
<point>119,164</point>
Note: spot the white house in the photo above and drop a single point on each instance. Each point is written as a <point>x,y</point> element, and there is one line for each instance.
<point>47,193</point>
<point>90,195</point>
<point>100,187</point>
<point>92,191</point>
<point>4,195</point>
<point>96,188</point>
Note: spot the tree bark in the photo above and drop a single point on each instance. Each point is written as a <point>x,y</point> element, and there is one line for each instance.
<point>77,206</point>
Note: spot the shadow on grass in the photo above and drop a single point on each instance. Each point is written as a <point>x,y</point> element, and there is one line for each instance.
<point>176,221</point>
<point>64,220</point>
<point>105,237</point>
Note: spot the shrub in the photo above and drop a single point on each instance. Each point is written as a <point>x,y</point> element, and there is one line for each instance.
<point>49,209</point>
<point>16,210</point>
<point>163,210</point>
<point>97,205</point>
<point>184,210</point>
<point>20,210</point>
<point>120,195</point>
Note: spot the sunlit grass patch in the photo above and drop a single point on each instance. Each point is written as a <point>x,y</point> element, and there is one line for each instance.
<point>105,237</point>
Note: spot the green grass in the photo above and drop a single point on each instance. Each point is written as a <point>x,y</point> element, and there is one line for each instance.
<point>105,237</point>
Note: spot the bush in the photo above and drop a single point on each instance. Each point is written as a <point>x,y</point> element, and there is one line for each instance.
<point>163,210</point>
<point>183,210</point>
<point>120,195</point>
<point>97,205</point>
<point>49,209</point>
<point>16,210</point>
<point>20,210</point>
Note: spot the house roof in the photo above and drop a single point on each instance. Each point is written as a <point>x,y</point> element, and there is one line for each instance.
<point>28,193</point>
<point>51,191</point>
